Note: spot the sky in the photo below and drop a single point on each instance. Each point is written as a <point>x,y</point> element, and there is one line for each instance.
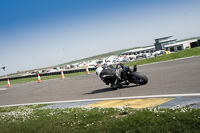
<point>43,33</point>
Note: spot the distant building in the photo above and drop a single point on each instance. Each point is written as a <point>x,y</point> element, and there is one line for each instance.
<point>161,42</point>
<point>165,43</point>
<point>181,45</point>
<point>137,51</point>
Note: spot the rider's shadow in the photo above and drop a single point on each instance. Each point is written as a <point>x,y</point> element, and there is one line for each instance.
<point>108,89</point>
<point>99,91</point>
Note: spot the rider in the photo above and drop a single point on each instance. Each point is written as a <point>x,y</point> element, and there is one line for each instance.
<point>124,70</point>
<point>121,75</point>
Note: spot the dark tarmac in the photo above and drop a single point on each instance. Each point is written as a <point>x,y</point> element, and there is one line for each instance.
<point>172,77</point>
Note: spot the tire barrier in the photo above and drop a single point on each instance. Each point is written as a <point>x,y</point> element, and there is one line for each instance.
<point>48,74</point>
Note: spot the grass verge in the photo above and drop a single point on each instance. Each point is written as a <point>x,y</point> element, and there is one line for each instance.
<point>32,79</point>
<point>29,119</point>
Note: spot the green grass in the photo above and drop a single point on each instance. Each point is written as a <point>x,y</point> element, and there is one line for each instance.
<point>166,57</point>
<point>31,119</point>
<point>32,79</point>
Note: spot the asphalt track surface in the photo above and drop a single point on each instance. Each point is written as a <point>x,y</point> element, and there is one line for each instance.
<point>172,77</point>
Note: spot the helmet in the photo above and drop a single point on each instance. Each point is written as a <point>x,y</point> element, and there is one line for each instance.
<point>99,70</point>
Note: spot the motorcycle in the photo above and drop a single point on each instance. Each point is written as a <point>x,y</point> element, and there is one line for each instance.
<point>120,76</point>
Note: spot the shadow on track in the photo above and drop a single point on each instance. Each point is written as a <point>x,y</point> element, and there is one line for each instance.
<point>108,89</point>
<point>100,91</point>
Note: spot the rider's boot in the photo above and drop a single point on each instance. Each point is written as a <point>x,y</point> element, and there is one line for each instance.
<point>135,68</point>
<point>114,85</point>
<point>123,82</point>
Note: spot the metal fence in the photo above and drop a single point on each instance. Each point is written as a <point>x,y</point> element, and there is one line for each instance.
<point>48,74</point>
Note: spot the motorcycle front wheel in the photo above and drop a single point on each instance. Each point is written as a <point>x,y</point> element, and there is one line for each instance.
<point>138,78</point>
